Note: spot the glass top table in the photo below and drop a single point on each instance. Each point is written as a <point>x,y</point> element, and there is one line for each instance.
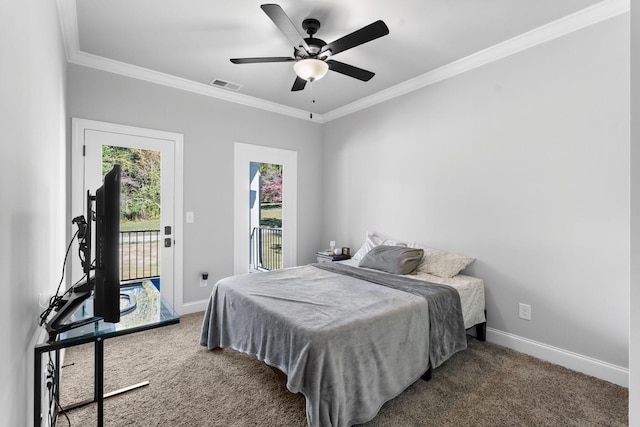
<point>150,311</point>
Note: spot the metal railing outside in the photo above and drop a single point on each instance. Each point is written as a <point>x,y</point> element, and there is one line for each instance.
<point>266,248</point>
<point>139,254</point>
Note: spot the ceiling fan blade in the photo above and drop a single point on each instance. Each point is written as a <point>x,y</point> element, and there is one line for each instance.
<point>358,37</point>
<point>299,84</point>
<point>285,25</point>
<point>350,70</point>
<point>261,60</point>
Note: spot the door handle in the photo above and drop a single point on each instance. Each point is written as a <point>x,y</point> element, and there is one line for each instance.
<point>167,242</point>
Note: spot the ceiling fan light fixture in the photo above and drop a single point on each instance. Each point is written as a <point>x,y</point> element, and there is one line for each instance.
<point>311,69</point>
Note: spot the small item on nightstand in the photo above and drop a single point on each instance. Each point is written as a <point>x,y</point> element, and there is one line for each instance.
<point>346,251</point>
<point>327,256</point>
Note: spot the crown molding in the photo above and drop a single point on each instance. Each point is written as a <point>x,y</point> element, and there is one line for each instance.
<point>563,26</point>
<point>67,10</point>
<point>140,73</point>
<point>68,15</point>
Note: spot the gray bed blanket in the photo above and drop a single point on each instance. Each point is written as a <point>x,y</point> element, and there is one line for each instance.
<point>447,334</point>
<point>347,344</point>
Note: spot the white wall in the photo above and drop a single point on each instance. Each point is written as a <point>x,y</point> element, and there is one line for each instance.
<point>32,196</point>
<point>210,127</point>
<point>522,163</point>
<point>634,356</point>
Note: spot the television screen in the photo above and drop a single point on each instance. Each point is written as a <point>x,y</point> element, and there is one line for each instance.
<point>107,266</point>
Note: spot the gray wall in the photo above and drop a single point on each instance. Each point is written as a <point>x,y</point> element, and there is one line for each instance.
<point>32,195</point>
<point>210,128</point>
<point>522,163</point>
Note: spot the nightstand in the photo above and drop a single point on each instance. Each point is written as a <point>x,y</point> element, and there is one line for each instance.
<point>324,257</point>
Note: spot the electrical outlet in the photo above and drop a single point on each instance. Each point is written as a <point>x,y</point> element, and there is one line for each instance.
<point>525,311</point>
<point>203,279</point>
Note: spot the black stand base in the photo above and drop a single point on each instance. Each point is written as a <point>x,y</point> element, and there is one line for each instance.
<point>481,331</point>
<point>56,325</point>
<point>427,375</point>
<point>106,396</point>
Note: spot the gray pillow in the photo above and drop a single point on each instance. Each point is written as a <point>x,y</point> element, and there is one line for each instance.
<point>392,259</point>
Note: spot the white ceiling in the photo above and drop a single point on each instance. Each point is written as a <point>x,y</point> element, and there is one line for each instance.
<point>187,43</point>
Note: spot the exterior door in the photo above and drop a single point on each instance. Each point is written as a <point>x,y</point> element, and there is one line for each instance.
<point>148,249</point>
<point>247,155</point>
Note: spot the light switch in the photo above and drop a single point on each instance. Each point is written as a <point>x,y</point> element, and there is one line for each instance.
<point>190,217</point>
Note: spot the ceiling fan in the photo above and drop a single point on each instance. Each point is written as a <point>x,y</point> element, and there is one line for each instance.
<point>311,55</point>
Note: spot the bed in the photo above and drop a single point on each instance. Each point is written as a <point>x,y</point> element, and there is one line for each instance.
<point>348,338</point>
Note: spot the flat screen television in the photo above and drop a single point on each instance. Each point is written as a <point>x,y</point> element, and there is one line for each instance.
<point>102,276</point>
<point>107,267</point>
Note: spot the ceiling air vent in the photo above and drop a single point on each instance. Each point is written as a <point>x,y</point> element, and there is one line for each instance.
<point>225,84</point>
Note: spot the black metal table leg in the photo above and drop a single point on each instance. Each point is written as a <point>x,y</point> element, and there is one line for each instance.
<point>56,385</point>
<point>99,379</point>
<point>37,386</point>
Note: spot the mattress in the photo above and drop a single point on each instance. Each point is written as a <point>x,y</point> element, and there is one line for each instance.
<point>470,289</point>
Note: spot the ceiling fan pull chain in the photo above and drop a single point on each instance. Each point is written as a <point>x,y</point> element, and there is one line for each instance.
<point>313,101</point>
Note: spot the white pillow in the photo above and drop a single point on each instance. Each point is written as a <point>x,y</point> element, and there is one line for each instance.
<point>442,263</point>
<point>371,241</point>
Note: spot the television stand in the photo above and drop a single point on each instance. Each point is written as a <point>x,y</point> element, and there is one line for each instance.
<point>156,313</point>
<point>58,323</point>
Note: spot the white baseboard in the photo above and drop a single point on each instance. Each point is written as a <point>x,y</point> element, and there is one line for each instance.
<point>577,362</point>
<point>194,307</point>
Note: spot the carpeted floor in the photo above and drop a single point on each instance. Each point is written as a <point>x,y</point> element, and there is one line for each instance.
<point>486,385</point>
